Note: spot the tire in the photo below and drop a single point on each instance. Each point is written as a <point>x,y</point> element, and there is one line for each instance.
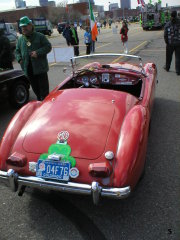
<point>19,94</point>
<point>49,33</point>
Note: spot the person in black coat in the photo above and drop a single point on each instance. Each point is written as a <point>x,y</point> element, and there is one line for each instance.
<point>172,40</point>
<point>67,34</point>
<point>74,40</point>
<point>6,55</point>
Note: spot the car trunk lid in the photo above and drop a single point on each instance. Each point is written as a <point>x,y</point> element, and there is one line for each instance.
<point>88,125</point>
<point>88,121</point>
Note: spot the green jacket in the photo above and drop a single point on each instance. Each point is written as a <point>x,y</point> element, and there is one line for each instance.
<point>36,42</point>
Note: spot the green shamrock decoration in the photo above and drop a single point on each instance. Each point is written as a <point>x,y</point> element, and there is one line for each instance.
<point>62,150</point>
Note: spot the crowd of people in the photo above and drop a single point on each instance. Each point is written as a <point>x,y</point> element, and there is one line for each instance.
<point>32,49</point>
<point>72,39</point>
<point>71,36</point>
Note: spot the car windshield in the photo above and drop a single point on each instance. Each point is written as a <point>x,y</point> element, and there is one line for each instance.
<point>105,60</point>
<point>117,72</point>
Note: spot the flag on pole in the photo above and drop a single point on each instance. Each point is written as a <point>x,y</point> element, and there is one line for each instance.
<point>93,23</point>
<point>141,2</point>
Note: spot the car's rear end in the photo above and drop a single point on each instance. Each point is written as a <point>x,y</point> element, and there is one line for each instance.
<point>79,140</point>
<point>93,126</point>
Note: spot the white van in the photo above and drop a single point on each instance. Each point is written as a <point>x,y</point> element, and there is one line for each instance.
<point>10,29</point>
<point>10,32</point>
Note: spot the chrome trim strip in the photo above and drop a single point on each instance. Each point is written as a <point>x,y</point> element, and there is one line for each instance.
<point>107,54</point>
<point>15,182</point>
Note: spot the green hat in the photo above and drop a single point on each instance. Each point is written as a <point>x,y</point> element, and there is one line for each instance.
<point>24,21</point>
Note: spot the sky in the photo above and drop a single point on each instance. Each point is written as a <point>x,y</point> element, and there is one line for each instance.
<point>10,4</point>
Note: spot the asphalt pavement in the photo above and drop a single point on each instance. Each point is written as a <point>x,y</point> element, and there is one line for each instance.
<point>152,212</point>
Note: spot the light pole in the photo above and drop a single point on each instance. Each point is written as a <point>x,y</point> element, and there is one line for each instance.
<point>123,9</point>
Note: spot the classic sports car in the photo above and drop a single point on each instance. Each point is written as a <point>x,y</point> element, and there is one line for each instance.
<point>89,136</point>
<point>15,85</point>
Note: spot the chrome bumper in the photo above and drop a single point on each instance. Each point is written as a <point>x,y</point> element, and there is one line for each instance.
<point>16,182</point>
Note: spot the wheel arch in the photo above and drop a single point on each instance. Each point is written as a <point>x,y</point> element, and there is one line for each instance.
<point>13,129</point>
<point>131,149</point>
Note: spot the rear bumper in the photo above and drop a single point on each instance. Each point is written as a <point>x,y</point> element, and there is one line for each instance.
<point>16,182</point>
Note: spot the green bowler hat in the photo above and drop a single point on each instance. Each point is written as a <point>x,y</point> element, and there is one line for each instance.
<point>24,21</point>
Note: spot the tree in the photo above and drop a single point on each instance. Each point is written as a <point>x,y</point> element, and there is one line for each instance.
<point>62,4</point>
<point>57,14</point>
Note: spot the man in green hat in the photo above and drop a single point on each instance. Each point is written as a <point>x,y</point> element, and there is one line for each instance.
<point>31,52</point>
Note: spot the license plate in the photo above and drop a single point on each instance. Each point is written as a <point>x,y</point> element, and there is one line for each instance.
<point>53,170</point>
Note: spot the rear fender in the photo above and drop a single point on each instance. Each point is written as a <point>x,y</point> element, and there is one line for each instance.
<point>131,149</point>
<point>13,130</point>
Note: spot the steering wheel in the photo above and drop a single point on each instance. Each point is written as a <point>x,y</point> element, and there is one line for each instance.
<point>82,73</point>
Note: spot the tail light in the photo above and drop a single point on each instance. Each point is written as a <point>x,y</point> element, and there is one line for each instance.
<point>17,159</point>
<point>100,169</point>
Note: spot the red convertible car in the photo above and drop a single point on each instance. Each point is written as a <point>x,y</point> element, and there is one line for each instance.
<point>89,136</point>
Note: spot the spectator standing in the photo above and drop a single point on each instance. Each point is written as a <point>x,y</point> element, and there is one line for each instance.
<point>99,26</point>
<point>31,52</point>
<point>74,40</point>
<point>87,40</point>
<point>172,40</point>
<point>124,37</point>
<point>75,25</point>
<point>80,25</point>
<point>6,55</point>
<point>110,23</point>
<point>67,34</point>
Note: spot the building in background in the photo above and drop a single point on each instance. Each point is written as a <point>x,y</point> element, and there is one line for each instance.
<point>98,11</point>
<point>92,1</point>
<point>113,6</point>
<point>20,4</point>
<point>51,3</point>
<point>43,3</point>
<point>126,4</point>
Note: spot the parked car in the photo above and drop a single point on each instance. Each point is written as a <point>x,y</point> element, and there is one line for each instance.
<point>60,27</point>
<point>15,85</point>
<point>89,135</point>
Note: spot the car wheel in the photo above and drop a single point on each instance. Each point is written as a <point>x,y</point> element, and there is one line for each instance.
<point>19,94</point>
<point>49,33</point>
